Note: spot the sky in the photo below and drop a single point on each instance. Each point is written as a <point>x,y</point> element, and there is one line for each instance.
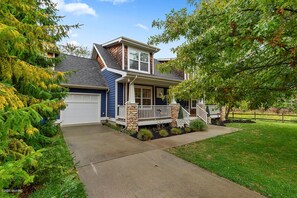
<point>104,20</point>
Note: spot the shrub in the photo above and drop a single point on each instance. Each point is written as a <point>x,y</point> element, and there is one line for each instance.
<point>145,134</point>
<point>176,131</point>
<point>197,125</point>
<point>113,126</point>
<point>49,129</point>
<point>163,133</point>
<point>180,113</point>
<point>129,132</point>
<point>188,129</point>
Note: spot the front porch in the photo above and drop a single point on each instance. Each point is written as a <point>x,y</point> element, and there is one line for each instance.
<point>142,101</point>
<point>153,114</point>
<point>132,117</point>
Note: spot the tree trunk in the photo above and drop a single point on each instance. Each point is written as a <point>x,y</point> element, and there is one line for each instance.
<point>228,112</point>
<point>222,114</point>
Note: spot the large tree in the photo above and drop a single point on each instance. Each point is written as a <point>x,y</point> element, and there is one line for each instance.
<point>236,50</point>
<point>76,50</point>
<point>30,90</point>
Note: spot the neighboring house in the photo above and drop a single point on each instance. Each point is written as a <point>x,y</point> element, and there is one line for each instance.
<point>101,86</point>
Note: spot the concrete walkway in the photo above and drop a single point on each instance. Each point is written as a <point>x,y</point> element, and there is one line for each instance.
<point>112,164</point>
<point>179,140</point>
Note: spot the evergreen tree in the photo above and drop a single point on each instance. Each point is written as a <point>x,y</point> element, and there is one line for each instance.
<point>30,90</point>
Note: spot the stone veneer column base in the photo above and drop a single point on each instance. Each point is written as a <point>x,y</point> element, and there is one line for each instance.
<point>174,114</point>
<point>132,116</point>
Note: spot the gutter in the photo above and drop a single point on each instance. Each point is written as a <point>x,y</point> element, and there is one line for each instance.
<point>156,78</point>
<point>84,86</point>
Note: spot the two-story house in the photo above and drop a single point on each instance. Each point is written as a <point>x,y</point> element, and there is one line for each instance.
<point>120,72</point>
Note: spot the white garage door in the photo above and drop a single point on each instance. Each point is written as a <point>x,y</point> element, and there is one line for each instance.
<point>81,109</point>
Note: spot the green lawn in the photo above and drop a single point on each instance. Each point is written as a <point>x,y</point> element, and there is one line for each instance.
<point>60,179</point>
<point>262,157</point>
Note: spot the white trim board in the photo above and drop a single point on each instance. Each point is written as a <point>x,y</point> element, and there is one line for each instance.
<point>100,55</point>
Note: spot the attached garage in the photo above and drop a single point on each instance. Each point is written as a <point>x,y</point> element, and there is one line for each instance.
<point>86,101</point>
<point>81,108</point>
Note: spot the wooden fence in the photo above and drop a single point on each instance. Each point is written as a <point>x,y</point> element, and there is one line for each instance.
<point>283,117</point>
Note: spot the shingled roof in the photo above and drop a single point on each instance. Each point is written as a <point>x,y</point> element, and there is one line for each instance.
<point>170,75</point>
<point>108,59</point>
<point>86,72</point>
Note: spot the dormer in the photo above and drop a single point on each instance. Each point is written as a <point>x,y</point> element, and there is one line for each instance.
<point>129,55</point>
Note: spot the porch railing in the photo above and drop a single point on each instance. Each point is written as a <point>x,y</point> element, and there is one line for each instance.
<point>121,111</point>
<point>201,113</point>
<point>186,116</point>
<point>154,111</point>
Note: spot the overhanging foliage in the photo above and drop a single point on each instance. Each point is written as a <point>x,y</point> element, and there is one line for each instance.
<point>234,50</point>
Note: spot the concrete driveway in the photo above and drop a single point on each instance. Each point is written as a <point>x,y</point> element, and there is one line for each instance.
<point>112,164</point>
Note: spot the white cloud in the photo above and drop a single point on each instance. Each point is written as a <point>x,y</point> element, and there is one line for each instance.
<point>116,2</point>
<point>76,8</point>
<point>142,26</point>
<point>73,43</point>
<point>74,35</point>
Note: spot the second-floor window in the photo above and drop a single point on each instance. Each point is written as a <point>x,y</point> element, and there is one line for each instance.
<point>139,61</point>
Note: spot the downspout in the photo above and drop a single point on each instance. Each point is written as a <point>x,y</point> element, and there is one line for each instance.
<point>133,79</point>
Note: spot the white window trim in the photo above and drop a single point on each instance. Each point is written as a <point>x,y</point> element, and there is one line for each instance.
<point>139,61</point>
<point>192,103</point>
<point>141,97</point>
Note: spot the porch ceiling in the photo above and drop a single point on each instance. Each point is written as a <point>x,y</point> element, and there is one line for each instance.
<point>144,80</point>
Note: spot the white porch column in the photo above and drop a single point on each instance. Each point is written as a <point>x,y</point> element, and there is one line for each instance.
<point>173,101</point>
<point>131,93</point>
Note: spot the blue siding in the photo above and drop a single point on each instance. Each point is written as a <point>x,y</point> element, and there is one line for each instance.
<point>110,79</point>
<point>159,101</point>
<point>103,97</point>
<point>120,93</point>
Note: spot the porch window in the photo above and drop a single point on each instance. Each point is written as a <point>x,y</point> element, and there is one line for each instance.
<point>143,96</point>
<point>193,104</point>
<point>138,61</point>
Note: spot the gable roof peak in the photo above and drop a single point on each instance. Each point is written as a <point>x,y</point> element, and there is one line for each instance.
<point>131,42</point>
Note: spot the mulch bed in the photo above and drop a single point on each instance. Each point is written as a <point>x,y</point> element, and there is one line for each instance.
<point>27,190</point>
<point>155,130</point>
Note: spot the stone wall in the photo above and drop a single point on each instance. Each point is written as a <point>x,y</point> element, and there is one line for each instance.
<point>132,116</point>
